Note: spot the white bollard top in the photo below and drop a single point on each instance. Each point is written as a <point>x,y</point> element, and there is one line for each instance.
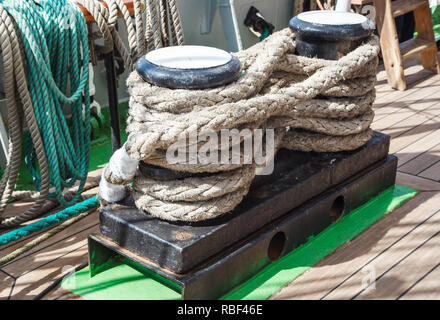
<point>332,17</point>
<point>188,57</point>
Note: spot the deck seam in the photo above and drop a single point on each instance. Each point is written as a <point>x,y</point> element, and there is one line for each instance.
<point>408,92</point>
<point>421,177</point>
<point>9,275</point>
<point>48,246</point>
<point>397,263</point>
<point>404,119</point>
<point>396,123</point>
<point>431,165</point>
<point>48,262</point>
<point>378,255</point>
<point>12,289</point>
<point>418,281</point>
<point>417,156</point>
<point>14,279</point>
<point>412,128</point>
<point>403,107</point>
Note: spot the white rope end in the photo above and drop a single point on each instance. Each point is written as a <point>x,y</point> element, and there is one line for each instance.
<point>110,192</point>
<point>122,166</point>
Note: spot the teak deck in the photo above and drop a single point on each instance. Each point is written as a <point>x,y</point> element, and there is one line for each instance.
<point>400,252</point>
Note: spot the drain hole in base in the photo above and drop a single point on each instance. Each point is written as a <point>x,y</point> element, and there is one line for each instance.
<point>276,246</point>
<point>337,208</point>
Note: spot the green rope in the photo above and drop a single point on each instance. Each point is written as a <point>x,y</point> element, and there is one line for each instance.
<point>48,221</point>
<point>55,41</point>
<point>49,234</point>
<point>265,34</point>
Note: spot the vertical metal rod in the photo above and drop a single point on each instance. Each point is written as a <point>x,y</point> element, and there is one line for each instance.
<point>343,5</point>
<point>115,132</point>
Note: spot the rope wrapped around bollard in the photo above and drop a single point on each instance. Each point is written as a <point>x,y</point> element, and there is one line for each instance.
<point>311,104</point>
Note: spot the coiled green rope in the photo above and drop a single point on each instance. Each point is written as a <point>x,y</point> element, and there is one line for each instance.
<point>55,41</point>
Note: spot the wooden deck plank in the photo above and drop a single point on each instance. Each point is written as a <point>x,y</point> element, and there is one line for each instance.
<point>6,249</point>
<point>348,261</point>
<point>422,161</point>
<point>432,172</point>
<point>34,282</point>
<point>417,183</point>
<point>414,75</point>
<point>382,263</point>
<point>418,147</point>
<point>406,134</point>
<point>90,220</point>
<point>412,122</point>
<point>6,287</point>
<point>20,206</point>
<point>426,94</point>
<point>46,252</point>
<point>426,288</point>
<point>383,98</point>
<point>405,271</point>
<point>59,293</point>
<point>50,252</point>
<point>425,103</point>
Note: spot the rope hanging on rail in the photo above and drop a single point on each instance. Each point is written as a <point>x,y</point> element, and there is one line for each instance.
<point>162,26</point>
<point>45,47</point>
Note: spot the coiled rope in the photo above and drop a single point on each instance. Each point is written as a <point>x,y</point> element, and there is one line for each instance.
<point>44,47</point>
<point>54,39</point>
<point>312,105</point>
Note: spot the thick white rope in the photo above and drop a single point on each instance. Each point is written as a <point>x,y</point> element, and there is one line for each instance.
<point>312,104</point>
<point>20,104</point>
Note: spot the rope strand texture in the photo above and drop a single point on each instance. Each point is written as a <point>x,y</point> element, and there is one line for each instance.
<point>45,47</point>
<point>48,221</point>
<point>312,104</point>
<point>157,31</point>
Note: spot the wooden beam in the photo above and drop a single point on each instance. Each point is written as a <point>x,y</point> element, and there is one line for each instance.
<point>389,44</point>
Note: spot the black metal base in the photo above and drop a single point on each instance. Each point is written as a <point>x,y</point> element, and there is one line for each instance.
<point>297,177</point>
<point>246,257</point>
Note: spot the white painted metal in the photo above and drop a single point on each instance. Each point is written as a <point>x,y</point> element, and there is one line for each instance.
<point>188,57</point>
<point>332,17</point>
<point>343,5</point>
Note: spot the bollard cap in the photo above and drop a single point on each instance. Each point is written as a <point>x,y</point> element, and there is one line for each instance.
<point>189,67</point>
<point>331,25</point>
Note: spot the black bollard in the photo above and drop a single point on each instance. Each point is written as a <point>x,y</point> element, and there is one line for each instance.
<point>329,34</point>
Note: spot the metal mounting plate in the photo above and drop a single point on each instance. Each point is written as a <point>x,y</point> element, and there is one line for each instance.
<point>243,259</point>
<point>297,177</point>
